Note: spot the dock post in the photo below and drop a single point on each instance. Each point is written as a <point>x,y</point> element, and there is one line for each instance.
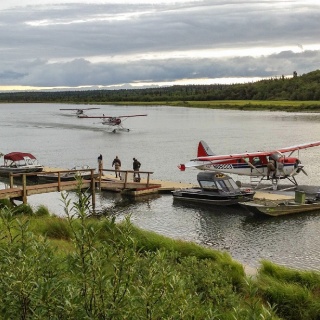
<point>93,189</point>
<point>148,179</point>
<point>24,191</point>
<point>100,174</point>
<point>11,180</point>
<point>59,182</point>
<point>125,180</point>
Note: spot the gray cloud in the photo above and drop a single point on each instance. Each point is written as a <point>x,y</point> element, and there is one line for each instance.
<point>106,44</point>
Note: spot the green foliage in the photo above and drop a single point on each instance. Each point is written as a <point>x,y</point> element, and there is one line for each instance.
<point>29,286</point>
<point>57,228</point>
<point>295,293</point>
<point>300,88</point>
<point>308,279</point>
<point>23,209</point>
<point>5,203</point>
<point>117,271</point>
<point>42,211</point>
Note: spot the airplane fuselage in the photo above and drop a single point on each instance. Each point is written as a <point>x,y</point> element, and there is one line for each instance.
<point>252,166</point>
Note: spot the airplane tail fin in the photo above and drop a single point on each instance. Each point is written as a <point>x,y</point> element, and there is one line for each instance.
<point>204,150</point>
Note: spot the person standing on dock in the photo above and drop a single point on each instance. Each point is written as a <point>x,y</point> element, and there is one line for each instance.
<point>136,167</point>
<point>100,163</point>
<point>117,166</point>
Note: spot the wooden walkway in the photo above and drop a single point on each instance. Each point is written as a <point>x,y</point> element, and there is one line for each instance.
<point>20,188</point>
<point>103,181</point>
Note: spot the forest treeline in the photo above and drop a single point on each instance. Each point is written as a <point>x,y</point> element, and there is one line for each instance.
<point>298,88</point>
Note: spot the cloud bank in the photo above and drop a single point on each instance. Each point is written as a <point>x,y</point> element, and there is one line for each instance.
<point>101,44</point>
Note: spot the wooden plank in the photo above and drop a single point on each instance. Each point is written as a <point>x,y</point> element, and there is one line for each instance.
<point>115,185</point>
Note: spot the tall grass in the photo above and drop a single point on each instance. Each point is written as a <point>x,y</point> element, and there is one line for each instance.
<point>83,268</point>
<point>296,293</point>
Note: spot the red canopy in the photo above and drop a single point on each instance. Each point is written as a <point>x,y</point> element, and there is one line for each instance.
<point>16,156</point>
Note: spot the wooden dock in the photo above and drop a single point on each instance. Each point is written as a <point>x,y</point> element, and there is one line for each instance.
<point>20,188</point>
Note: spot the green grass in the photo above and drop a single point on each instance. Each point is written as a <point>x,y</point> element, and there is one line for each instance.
<point>84,268</point>
<point>247,105</point>
<point>295,293</point>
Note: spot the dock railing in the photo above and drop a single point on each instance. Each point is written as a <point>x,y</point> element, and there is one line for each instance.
<point>126,174</point>
<point>58,183</point>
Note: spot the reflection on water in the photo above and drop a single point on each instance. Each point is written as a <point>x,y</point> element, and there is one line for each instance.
<point>170,136</point>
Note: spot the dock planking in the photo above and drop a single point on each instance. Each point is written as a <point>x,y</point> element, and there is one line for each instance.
<point>103,181</point>
<point>22,191</point>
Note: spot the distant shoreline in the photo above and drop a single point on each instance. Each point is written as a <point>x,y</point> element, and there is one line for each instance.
<point>245,105</point>
<point>242,105</point>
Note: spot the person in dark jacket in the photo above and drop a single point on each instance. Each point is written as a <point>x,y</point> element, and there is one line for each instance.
<point>100,163</point>
<point>117,166</point>
<point>136,167</point>
<point>271,168</point>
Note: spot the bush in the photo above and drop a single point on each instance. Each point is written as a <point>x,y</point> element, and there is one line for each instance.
<point>42,211</point>
<point>23,209</point>
<point>57,228</point>
<point>5,203</point>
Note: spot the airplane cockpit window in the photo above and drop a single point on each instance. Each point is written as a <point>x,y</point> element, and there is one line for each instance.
<point>256,160</point>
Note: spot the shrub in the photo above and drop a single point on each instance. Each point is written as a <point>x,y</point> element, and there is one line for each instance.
<point>5,203</point>
<point>57,228</point>
<point>42,211</point>
<point>23,209</point>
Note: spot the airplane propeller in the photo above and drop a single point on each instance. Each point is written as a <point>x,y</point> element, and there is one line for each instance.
<point>304,172</point>
<point>298,169</point>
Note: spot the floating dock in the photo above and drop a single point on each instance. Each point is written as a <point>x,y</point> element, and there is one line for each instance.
<point>106,180</point>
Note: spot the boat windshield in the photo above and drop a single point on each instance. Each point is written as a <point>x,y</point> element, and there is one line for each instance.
<point>224,184</point>
<point>233,184</point>
<point>227,185</point>
<point>208,185</point>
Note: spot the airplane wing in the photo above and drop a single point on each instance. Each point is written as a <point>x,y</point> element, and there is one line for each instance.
<point>108,117</point>
<point>135,115</point>
<point>80,109</point>
<point>258,153</point>
<point>96,117</point>
<point>300,146</point>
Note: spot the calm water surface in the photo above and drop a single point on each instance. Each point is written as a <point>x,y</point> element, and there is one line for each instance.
<point>166,137</point>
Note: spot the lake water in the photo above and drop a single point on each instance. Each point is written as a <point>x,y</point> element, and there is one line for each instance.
<point>165,138</point>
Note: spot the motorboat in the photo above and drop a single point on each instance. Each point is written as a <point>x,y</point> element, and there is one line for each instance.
<point>83,172</point>
<point>214,188</point>
<point>19,162</point>
<point>299,204</point>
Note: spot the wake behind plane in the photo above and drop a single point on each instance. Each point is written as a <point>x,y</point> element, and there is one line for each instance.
<point>79,111</point>
<point>274,164</point>
<point>114,123</point>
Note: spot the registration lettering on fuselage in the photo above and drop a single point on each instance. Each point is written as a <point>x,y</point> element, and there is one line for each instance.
<point>222,166</point>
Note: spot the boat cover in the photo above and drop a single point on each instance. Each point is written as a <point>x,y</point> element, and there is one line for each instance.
<point>17,156</point>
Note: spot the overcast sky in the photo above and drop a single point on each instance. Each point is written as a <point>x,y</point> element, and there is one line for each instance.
<point>53,43</point>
